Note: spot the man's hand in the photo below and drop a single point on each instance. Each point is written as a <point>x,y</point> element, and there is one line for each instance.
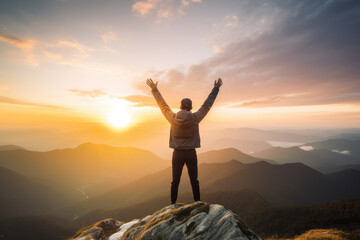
<point>218,83</point>
<point>151,83</point>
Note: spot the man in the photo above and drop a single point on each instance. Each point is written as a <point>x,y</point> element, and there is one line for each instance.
<point>184,136</point>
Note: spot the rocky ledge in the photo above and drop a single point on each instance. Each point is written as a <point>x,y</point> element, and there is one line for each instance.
<point>175,222</point>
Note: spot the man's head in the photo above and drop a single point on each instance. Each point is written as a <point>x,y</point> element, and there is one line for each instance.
<point>186,104</point>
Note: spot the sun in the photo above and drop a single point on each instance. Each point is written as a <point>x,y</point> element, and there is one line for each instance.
<point>119,119</point>
<point>118,113</point>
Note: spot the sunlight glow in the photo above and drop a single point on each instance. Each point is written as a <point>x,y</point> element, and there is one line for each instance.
<point>119,118</point>
<point>118,112</point>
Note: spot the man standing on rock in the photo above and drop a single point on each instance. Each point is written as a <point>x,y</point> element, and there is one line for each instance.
<point>184,136</point>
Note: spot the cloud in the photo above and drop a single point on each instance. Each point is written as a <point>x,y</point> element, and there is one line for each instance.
<point>3,87</point>
<point>307,148</point>
<point>64,52</point>
<point>163,13</point>
<point>261,102</point>
<point>109,36</point>
<point>231,21</point>
<point>308,56</point>
<point>164,9</point>
<point>140,100</point>
<point>345,152</point>
<point>74,45</point>
<point>185,3</point>
<point>53,56</point>
<point>81,50</point>
<point>26,46</point>
<point>144,7</point>
<point>75,54</point>
<point>26,103</point>
<point>88,93</point>
<point>72,51</point>
<point>217,48</point>
<point>69,52</point>
<point>136,100</point>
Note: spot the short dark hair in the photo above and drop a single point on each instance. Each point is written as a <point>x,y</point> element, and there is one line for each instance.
<point>186,104</point>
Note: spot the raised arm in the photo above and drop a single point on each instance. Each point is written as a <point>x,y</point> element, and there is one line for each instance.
<point>165,109</point>
<point>204,109</point>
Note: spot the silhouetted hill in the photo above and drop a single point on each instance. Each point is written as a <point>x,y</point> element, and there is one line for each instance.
<point>348,166</point>
<point>21,196</point>
<point>291,221</point>
<point>347,182</point>
<point>10,147</point>
<point>44,227</point>
<point>246,146</point>
<point>244,200</point>
<point>267,135</point>
<point>154,185</point>
<point>320,159</point>
<point>227,154</point>
<point>94,168</point>
<point>288,184</point>
<point>349,136</point>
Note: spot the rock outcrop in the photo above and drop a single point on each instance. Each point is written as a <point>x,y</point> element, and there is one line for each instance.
<point>193,221</point>
<point>100,230</point>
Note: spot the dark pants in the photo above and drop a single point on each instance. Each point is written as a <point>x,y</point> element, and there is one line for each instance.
<point>179,158</point>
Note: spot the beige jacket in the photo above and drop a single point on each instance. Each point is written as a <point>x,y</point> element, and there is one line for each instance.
<point>184,131</point>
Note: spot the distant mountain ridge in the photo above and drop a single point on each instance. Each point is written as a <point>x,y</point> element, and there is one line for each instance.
<point>240,201</point>
<point>21,195</point>
<point>153,185</point>
<point>268,135</point>
<point>132,181</point>
<point>10,147</point>
<point>346,146</point>
<point>92,166</point>
<point>287,184</point>
<point>245,146</point>
<point>320,159</point>
<point>227,154</point>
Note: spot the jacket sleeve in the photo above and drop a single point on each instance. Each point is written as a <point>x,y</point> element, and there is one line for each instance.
<point>165,109</point>
<point>204,109</point>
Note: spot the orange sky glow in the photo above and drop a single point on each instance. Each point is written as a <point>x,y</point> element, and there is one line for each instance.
<point>79,67</point>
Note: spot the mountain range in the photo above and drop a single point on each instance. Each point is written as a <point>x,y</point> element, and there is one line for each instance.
<point>287,184</point>
<point>325,156</point>
<point>268,135</point>
<point>343,146</point>
<point>245,146</point>
<point>227,154</point>
<point>10,147</point>
<point>68,188</point>
<point>22,196</point>
<point>320,159</point>
<point>94,167</point>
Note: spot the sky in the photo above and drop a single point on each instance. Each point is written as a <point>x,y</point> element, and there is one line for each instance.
<point>71,64</point>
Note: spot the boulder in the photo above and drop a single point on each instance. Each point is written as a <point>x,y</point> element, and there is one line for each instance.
<point>198,220</point>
